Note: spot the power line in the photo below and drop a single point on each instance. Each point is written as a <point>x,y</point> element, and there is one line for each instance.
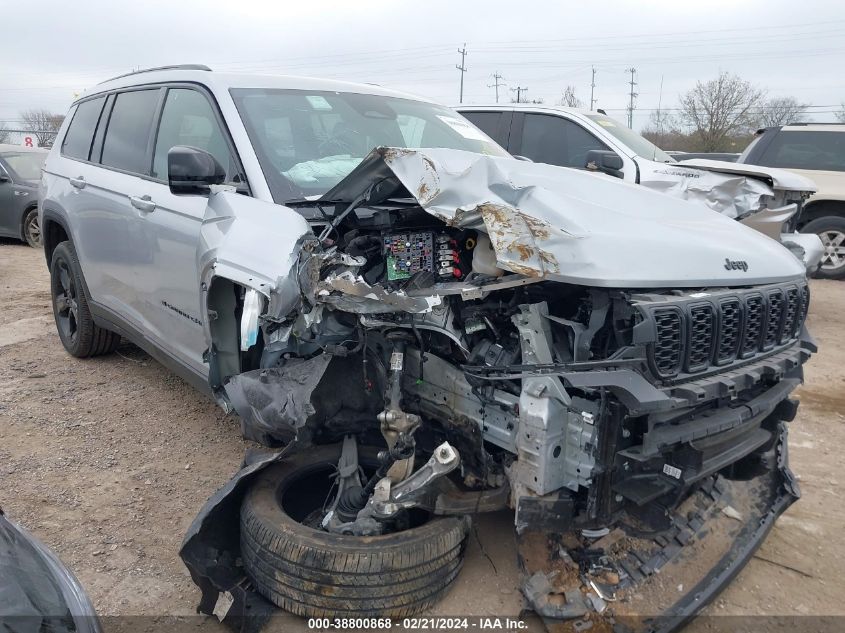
<point>496,84</point>
<point>463,69</point>
<point>633,94</point>
<point>519,90</point>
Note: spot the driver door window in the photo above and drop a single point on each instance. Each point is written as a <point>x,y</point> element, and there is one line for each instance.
<point>557,141</point>
<point>188,119</point>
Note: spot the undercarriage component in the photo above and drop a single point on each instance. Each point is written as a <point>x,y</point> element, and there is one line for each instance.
<point>393,420</point>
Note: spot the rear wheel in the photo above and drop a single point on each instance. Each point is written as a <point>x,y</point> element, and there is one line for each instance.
<point>314,573</point>
<point>80,336</point>
<point>831,231</point>
<point>31,228</point>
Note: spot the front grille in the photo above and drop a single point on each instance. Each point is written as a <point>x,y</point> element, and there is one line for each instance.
<point>700,337</point>
<point>666,353</point>
<point>791,310</point>
<point>730,330</point>
<point>694,335</point>
<point>755,309</point>
<point>773,319</point>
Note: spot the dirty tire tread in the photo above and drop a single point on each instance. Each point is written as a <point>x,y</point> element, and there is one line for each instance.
<point>91,340</point>
<point>317,574</point>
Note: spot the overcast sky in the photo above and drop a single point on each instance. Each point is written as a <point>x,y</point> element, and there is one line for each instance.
<point>52,50</point>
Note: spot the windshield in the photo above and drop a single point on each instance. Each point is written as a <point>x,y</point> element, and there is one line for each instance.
<point>308,141</point>
<point>26,165</point>
<point>636,143</point>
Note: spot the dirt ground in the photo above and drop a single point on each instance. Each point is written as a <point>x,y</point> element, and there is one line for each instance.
<point>108,461</point>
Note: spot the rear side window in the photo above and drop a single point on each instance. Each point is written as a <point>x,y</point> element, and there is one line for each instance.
<point>80,132</point>
<point>127,137</point>
<point>817,150</point>
<point>557,141</point>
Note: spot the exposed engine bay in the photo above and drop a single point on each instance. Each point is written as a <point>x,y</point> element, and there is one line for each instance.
<point>463,346</point>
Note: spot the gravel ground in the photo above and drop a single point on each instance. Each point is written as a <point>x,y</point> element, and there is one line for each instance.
<point>108,461</point>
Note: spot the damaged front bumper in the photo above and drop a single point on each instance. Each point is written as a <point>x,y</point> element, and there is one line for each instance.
<point>657,582</point>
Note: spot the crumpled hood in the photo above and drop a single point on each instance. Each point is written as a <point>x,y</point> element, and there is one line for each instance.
<point>573,226</point>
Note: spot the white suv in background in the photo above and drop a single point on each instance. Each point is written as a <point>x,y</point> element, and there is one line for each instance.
<point>768,200</point>
<point>816,151</point>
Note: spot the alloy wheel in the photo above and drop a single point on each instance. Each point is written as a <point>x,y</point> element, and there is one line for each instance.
<point>65,299</point>
<point>834,249</point>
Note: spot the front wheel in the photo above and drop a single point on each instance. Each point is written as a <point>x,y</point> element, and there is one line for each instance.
<point>314,573</point>
<point>31,229</point>
<point>79,334</point>
<point>831,231</point>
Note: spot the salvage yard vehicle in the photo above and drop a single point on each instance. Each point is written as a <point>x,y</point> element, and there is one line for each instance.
<point>815,151</point>
<point>20,172</point>
<point>766,199</point>
<point>429,328</point>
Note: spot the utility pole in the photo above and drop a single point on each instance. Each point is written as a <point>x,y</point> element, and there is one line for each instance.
<point>463,69</point>
<point>496,83</point>
<point>633,83</point>
<point>519,90</point>
<point>593,90</point>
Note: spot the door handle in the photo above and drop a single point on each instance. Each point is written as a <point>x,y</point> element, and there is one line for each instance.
<point>144,203</point>
<point>79,183</point>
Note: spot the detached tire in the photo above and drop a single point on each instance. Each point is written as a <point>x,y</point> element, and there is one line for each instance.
<point>831,231</point>
<point>80,336</point>
<point>313,573</point>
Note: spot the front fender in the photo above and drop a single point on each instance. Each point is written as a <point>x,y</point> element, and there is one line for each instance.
<point>253,243</point>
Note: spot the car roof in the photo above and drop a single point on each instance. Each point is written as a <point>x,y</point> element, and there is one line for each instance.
<point>523,106</point>
<point>8,148</point>
<point>814,127</point>
<point>225,80</point>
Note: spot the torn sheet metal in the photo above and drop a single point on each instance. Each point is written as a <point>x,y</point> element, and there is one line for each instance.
<point>253,243</point>
<point>569,225</point>
<point>274,403</point>
<point>780,179</point>
<point>733,195</point>
<point>359,297</point>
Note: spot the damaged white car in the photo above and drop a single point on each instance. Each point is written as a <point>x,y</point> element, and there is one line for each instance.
<point>429,329</point>
<point>769,200</point>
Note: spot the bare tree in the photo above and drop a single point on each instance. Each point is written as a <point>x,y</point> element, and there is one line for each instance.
<point>4,133</point>
<point>664,130</point>
<point>780,111</point>
<point>840,116</point>
<point>569,98</point>
<point>719,109</point>
<point>43,124</point>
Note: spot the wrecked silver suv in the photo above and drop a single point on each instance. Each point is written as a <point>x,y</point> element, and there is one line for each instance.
<point>428,328</point>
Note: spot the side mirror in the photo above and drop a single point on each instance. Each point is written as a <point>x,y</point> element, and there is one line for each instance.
<point>5,178</point>
<point>605,161</point>
<point>191,171</point>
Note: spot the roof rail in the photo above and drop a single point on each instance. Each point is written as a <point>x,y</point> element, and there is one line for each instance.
<point>150,70</point>
<point>814,123</point>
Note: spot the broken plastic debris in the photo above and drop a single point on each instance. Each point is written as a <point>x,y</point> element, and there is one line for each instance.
<point>731,512</point>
